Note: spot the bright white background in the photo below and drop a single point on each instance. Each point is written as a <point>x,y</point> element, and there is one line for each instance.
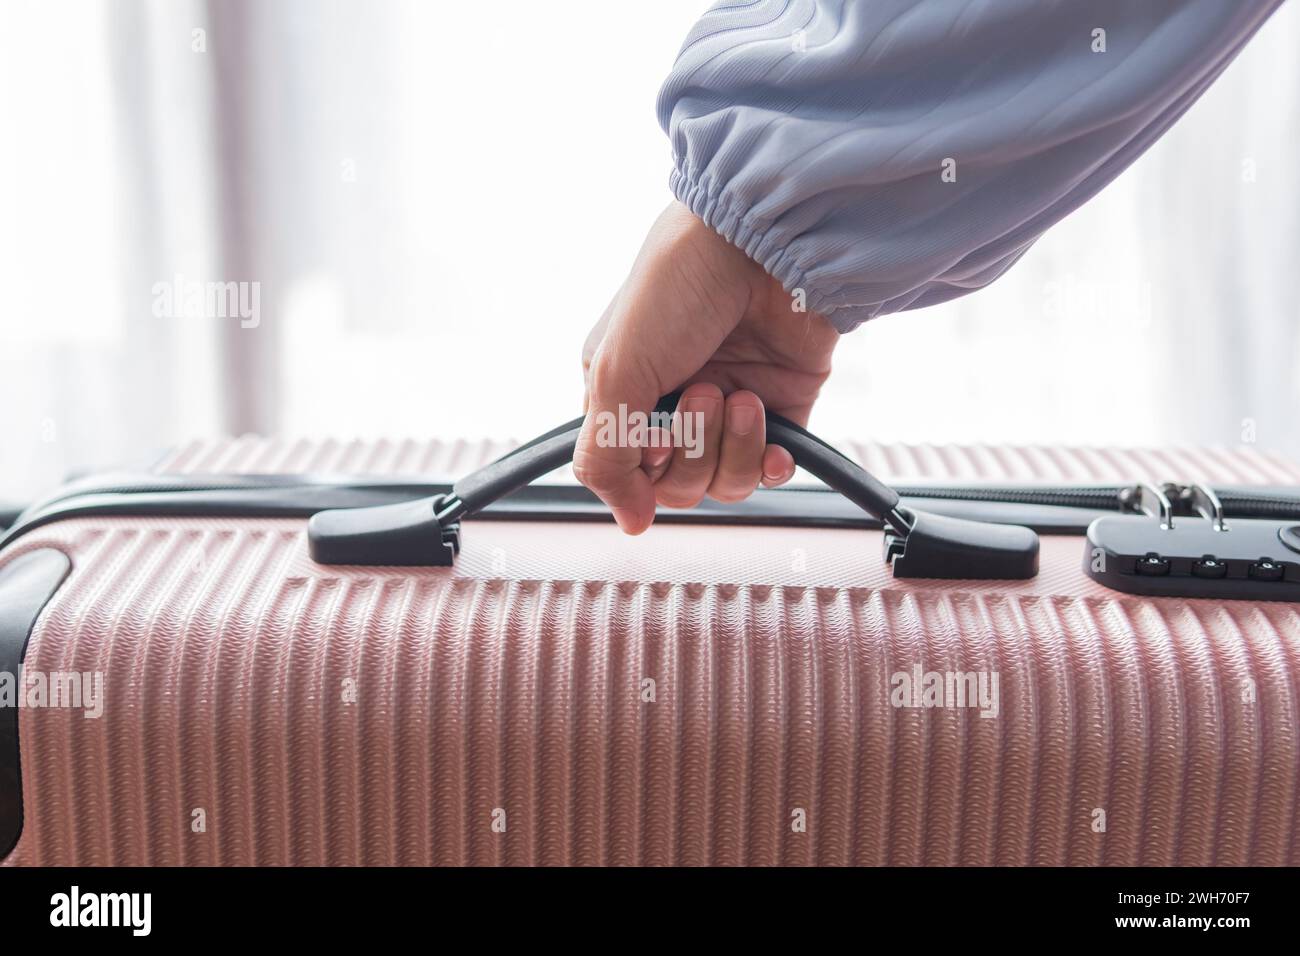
<point>438,204</point>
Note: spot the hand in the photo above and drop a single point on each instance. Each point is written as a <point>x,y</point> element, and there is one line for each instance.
<point>696,311</point>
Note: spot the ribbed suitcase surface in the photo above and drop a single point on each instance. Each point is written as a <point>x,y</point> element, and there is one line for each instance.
<point>699,695</point>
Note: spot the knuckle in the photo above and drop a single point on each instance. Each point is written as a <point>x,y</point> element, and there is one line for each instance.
<point>693,467</point>
<point>704,390</point>
<point>612,376</point>
<point>597,471</point>
<point>601,373</point>
<point>728,497</point>
<point>732,490</point>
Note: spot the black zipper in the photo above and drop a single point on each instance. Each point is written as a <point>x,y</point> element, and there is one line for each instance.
<point>1237,502</point>
<point>1100,497</point>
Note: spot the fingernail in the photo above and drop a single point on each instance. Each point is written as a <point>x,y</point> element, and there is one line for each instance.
<point>699,404</point>
<point>740,419</point>
<point>628,520</point>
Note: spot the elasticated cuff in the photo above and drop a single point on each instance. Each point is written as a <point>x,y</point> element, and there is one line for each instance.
<point>762,242</point>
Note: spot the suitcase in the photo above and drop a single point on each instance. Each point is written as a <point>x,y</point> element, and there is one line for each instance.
<point>743,684</point>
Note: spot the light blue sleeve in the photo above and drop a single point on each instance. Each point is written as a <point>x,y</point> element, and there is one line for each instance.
<point>884,155</point>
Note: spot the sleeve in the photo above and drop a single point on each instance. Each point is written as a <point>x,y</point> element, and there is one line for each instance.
<point>883,155</point>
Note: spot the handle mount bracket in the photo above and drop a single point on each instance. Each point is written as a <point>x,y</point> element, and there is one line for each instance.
<point>408,534</point>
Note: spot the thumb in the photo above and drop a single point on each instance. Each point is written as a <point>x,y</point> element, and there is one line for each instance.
<point>608,457</point>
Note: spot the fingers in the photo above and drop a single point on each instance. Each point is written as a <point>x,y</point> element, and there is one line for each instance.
<point>620,482</point>
<point>722,450</point>
<point>717,448</point>
<point>778,466</point>
<point>620,472</point>
<point>699,439</point>
<point>740,463</point>
<point>658,454</point>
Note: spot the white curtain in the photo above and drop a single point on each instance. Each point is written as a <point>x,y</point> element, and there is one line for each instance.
<point>436,206</point>
<point>107,175</point>
<point>1166,311</point>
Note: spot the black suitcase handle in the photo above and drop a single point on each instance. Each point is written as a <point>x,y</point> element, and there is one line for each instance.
<point>426,532</point>
<point>544,454</point>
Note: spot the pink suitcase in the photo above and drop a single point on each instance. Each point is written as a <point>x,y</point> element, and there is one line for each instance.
<point>725,689</point>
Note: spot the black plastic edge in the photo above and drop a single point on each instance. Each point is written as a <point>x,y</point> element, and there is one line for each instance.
<point>785,507</point>
<point>407,533</point>
<point>26,585</point>
<point>941,546</point>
